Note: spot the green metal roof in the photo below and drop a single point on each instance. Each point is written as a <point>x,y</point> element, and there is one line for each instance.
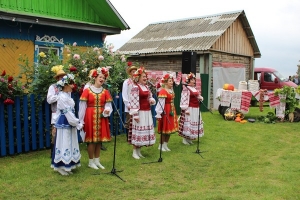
<point>95,15</point>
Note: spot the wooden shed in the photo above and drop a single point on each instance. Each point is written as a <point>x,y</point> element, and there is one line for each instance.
<point>30,26</point>
<point>220,41</point>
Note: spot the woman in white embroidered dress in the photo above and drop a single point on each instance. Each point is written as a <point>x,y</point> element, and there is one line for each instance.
<point>141,132</point>
<point>66,155</point>
<point>189,126</point>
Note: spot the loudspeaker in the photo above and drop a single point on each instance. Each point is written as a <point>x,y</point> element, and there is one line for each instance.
<point>189,59</point>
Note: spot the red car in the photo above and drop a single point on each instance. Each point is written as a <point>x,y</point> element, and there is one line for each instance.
<point>271,79</point>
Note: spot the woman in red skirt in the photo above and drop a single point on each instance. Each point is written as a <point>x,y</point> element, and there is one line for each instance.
<point>94,109</point>
<point>165,112</point>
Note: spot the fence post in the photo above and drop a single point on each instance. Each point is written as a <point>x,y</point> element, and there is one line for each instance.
<point>10,127</point>
<point>18,124</point>
<point>48,126</point>
<point>2,130</point>
<point>41,123</point>
<point>33,123</point>
<point>25,114</point>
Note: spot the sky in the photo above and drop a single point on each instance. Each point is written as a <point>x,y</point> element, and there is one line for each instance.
<point>275,24</point>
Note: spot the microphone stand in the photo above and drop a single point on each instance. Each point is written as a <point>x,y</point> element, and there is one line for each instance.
<point>160,149</point>
<point>113,170</point>
<point>198,143</point>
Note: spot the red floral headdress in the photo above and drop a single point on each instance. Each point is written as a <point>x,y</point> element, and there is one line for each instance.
<point>166,77</point>
<point>189,77</point>
<point>138,73</point>
<point>100,70</point>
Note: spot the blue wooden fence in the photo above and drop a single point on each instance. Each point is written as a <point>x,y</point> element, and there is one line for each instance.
<point>22,129</point>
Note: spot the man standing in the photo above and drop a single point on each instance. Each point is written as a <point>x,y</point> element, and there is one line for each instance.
<point>127,85</point>
<point>52,97</point>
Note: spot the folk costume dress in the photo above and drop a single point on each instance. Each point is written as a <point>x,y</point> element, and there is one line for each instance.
<point>165,110</point>
<point>93,102</point>
<point>189,123</point>
<point>141,133</point>
<point>66,154</point>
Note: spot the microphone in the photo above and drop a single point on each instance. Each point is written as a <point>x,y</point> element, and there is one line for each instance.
<point>107,85</point>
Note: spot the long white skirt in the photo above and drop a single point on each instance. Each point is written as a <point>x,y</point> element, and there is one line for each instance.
<point>66,154</point>
<point>143,132</point>
<point>191,127</point>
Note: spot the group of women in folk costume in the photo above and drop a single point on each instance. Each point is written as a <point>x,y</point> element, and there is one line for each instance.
<point>140,99</point>
<point>95,107</point>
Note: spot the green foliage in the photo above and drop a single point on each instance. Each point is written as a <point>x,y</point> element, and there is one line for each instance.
<point>269,118</point>
<point>39,76</point>
<point>80,61</point>
<point>10,87</point>
<point>291,101</point>
<point>94,57</point>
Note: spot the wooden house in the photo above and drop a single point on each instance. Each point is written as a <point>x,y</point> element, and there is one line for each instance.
<point>28,27</point>
<point>224,45</point>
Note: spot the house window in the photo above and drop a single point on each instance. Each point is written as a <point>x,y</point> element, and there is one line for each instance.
<point>46,43</point>
<point>47,50</point>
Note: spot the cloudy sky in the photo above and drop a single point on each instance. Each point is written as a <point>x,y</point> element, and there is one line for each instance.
<point>275,24</point>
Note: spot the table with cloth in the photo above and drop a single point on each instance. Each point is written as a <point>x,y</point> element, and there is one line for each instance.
<point>241,100</point>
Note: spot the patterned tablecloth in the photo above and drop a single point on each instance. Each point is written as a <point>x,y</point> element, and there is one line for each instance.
<point>241,100</point>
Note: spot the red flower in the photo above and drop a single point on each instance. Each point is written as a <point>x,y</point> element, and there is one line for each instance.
<point>74,89</point>
<point>10,86</point>
<point>104,71</point>
<point>3,73</point>
<point>129,64</point>
<point>8,102</point>
<point>158,85</point>
<point>73,69</point>
<point>10,79</point>
<point>95,74</point>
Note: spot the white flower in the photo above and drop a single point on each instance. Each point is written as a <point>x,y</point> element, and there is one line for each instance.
<point>123,60</point>
<point>101,57</point>
<point>96,49</point>
<point>76,56</point>
<point>74,44</point>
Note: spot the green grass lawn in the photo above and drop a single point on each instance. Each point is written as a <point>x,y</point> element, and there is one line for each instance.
<point>240,161</point>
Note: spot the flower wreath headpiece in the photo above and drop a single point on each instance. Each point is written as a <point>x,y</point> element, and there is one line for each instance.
<point>100,70</point>
<point>138,73</point>
<point>66,80</point>
<point>166,77</point>
<point>189,77</point>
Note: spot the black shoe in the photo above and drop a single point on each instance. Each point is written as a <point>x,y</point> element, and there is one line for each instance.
<point>103,148</point>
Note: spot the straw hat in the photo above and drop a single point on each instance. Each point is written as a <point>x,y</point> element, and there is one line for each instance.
<point>60,73</point>
<point>130,68</point>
